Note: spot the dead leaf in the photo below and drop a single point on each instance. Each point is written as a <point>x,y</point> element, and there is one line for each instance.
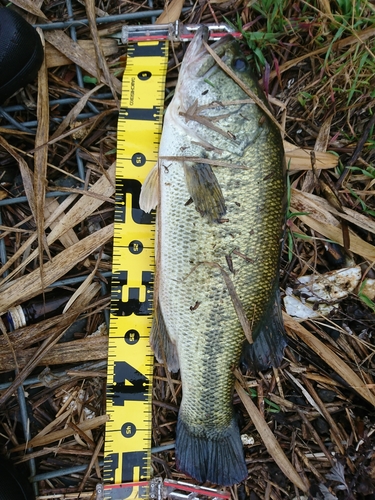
<point>299,158</point>
<point>171,13</point>
<point>320,219</point>
<point>29,6</point>
<point>74,112</point>
<point>336,363</point>
<point>323,138</point>
<point>41,158</point>
<point>82,209</point>
<point>55,58</point>
<point>99,53</point>
<point>77,54</point>
<point>31,284</point>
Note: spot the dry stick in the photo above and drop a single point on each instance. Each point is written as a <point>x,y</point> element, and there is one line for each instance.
<point>29,6</point>
<point>74,112</point>
<point>309,465</point>
<point>91,464</point>
<point>55,58</point>
<point>75,351</point>
<point>336,433</point>
<point>299,468</point>
<point>172,12</point>
<point>357,245</point>
<point>199,159</point>
<point>82,434</point>
<point>42,350</point>
<point>350,215</point>
<point>271,443</point>
<point>92,423</point>
<point>26,174</point>
<point>335,430</point>
<point>85,192</point>
<point>329,192</point>
<point>316,436</point>
<point>203,120</point>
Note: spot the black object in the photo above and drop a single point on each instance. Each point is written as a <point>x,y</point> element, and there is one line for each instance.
<point>21,53</point>
<point>35,310</point>
<point>13,484</point>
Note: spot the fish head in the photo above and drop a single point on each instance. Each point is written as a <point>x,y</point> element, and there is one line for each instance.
<point>211,88</point>
<point>198,64</point>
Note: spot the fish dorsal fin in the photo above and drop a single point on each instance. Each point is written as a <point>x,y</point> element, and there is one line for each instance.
<point>149,197</point>
<point>205,190</point>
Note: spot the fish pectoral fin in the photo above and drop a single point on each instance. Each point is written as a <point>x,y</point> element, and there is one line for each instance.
<point>205,190</point>
<point>149,197</point>
<point>165,350</point>
<point>269,338</point>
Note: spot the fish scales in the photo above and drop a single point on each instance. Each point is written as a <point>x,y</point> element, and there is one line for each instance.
<point>220,190</point>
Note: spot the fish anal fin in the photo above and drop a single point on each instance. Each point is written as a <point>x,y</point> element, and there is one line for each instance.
<point>165,350</point>
<point>269,338</point>
<point>149,197</point>
<point>205,190</point>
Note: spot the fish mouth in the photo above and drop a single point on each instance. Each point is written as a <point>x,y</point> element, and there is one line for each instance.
<point>197,59</point>
<point>196,49</point>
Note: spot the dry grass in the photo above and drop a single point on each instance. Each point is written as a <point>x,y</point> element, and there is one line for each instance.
<point>317,64</point>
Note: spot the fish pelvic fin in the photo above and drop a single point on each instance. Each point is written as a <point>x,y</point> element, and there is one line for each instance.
<point>165,350</point>
<point>216,456</point>
<point>149,197</point>
<point>269,338</point>
<point>205,190</point>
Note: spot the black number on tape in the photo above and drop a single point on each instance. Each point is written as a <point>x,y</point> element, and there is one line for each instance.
<point>137,50</point>
<point>133,187</point>
<point>130,461</point>
<point>151,114</point>
<point>128,384</point>
<point>132,295</point>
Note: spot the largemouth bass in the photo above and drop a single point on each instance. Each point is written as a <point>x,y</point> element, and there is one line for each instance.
<point>219,188</point>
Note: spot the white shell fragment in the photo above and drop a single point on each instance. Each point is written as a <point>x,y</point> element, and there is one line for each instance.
<point>247,440</point>
<point>328,288</point>
<point>294,307</point>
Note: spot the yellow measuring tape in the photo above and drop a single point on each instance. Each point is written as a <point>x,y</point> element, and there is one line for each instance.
<point>127,460</point>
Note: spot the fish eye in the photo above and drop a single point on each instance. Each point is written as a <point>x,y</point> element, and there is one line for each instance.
<point>240,64</point>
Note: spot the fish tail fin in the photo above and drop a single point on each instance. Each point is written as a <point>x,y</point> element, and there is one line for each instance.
<point>269,339</point>
<point>211,455</point>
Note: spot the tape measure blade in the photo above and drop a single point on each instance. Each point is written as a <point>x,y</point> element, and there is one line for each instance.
<point>130,358</point>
